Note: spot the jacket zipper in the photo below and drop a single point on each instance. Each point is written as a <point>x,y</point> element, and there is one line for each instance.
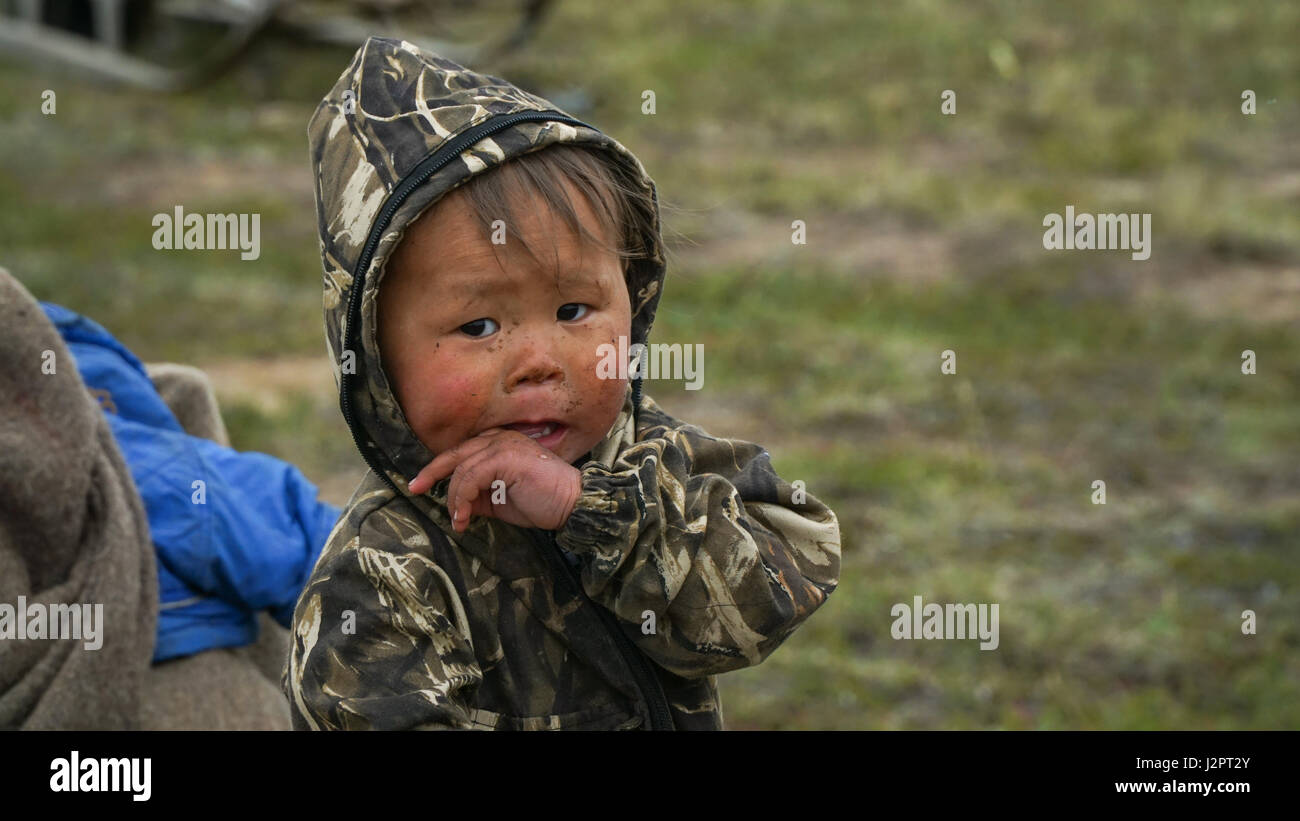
<point>427,167</point>
<point>646,680</point>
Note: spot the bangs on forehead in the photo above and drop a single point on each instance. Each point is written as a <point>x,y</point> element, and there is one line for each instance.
<point>620,209</point>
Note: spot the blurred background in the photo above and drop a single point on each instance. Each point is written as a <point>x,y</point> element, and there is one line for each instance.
<point>924,233</point>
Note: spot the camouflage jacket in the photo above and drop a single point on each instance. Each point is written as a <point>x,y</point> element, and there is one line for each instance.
<point>685,557</point>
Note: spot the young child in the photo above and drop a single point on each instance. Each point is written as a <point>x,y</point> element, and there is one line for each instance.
<point>537,545</point>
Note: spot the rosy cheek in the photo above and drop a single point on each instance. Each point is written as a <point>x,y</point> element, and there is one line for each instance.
<point>460,392</point>
<point>598,397</point>
<point>447,400</point>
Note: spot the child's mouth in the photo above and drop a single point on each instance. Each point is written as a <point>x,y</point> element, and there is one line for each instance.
<point>546,433</point>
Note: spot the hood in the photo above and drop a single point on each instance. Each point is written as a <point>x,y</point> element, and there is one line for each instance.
<point>401,128</point>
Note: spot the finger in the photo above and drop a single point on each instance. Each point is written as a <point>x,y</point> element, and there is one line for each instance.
<point>467,480</point>
<point>503,459</point>
<point>447,461</point>
<point>482,472</point>
<point>467,508</point>
<point>444,463</point>
<point>490,442</point>
<point>482,505</point>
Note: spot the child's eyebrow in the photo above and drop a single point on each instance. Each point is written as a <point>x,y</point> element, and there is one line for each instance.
<point>475,287</point>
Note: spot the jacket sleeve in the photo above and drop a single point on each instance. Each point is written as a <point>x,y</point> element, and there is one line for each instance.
<point>245,527</point>
<point>708,558</point>
<point>380,637</point>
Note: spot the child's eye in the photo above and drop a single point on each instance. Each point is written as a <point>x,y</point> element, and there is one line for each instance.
<point>479,328</point>
<point>572,310</point>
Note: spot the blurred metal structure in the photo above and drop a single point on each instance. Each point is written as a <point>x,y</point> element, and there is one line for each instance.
<point>97,36</point>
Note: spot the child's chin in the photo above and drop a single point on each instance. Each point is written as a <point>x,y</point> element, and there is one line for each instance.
<point>572,447</point>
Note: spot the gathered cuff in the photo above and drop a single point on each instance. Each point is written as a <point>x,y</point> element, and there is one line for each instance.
<point>607,516</point>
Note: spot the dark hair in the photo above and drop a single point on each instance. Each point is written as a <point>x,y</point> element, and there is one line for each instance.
<point>624,210</point>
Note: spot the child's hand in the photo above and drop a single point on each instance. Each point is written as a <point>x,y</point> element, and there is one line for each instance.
<point>540,489</point>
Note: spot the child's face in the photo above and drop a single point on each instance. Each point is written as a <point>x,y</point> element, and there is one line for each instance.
<point>470,343</point>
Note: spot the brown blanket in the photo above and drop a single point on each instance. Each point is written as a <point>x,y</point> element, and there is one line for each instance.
<point>72,530</point>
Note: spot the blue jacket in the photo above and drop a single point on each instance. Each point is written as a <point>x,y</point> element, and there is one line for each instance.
<point>234,533</point>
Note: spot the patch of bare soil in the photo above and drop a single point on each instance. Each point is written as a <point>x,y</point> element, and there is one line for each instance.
<point>269,384</point>
<point>1254,292</point>
<point>882,246</point>
<point>165,181</point>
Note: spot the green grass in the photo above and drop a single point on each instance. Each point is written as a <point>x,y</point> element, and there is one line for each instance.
<point>971,487</point>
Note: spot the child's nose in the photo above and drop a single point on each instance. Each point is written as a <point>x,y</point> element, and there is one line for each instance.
<point>536,363</point>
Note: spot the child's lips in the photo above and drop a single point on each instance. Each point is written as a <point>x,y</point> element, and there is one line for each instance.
<point>546,433</point>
